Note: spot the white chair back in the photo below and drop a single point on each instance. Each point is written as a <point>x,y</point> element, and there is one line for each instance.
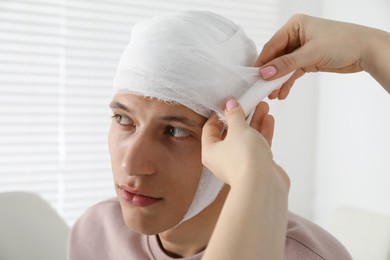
<point>30,228</point>
<point>365,234</point>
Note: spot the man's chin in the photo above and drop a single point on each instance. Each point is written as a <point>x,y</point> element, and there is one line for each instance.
<point>145,225</point>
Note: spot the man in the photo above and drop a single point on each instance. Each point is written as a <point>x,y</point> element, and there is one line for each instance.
<point>177,70</point>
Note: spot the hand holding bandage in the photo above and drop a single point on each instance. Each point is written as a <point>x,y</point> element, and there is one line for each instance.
<point>258,186</point>
<point>242,145</point>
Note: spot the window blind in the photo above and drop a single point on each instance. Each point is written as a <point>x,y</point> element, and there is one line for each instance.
<point>57,61</point>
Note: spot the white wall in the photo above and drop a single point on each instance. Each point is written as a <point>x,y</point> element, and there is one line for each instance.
<point>353,152</point>
<point>294,144</point>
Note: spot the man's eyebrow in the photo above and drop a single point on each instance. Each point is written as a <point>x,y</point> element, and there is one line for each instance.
<point>116,104</point>
<point>169,118</point>
<point>181,119</point>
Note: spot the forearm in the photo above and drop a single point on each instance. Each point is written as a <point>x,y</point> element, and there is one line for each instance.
<point>252,224</point>
<point>376,58</point>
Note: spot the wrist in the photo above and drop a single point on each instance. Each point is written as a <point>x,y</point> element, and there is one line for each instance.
<point>264,181</point>
<point>374,44</point>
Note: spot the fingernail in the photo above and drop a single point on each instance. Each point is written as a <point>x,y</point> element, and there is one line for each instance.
<point>268,72</point>
<point>231,103</point>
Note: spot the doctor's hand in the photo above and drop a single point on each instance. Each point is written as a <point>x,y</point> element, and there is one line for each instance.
<point>244,150</point>
<point>258,195</point>
<point>311,44</point>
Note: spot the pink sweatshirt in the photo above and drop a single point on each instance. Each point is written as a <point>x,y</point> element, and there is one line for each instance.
<point>101,234</point>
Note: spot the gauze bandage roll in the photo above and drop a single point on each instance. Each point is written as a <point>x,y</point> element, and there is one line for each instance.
<point>196,59</point>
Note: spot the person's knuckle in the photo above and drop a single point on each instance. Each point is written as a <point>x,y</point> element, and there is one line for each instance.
<point>287,62</point>
<point>271,49</point>
<point>298,18</point>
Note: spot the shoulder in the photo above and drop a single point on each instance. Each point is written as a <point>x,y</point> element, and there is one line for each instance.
<point>100,219</point>
<point>100,213</point>
<point>306,240</point>
<point>100,229</point>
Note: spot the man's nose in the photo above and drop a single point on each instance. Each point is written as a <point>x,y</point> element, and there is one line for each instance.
<point>140,155</point>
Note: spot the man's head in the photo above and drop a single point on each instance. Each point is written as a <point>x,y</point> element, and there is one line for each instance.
<point>182,65</point>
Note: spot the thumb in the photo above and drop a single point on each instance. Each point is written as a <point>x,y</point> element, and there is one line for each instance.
<point>234,115</point>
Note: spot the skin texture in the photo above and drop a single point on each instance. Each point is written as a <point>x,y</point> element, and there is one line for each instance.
<point>311,44</point>
<point>145,156</point>
<point>156,151</point>
<point>255,179</point>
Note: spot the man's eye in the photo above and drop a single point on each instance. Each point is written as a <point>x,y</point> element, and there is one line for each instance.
<point>176,132</point>
<point>123,120</point>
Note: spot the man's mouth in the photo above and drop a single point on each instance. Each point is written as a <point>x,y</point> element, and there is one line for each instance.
<point>136,198</point>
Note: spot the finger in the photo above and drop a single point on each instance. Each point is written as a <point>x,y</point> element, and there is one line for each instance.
<point>301,59</point>
<point>211,131</point>
<point>285,40</point>
<point>275,47</point>
<point>284,93</point>
<point>263,122</point>
<point>286,88</point>
<point>267,128</point>
<point>261,111</point>
<point>234,115</point>
<point>274,94</point>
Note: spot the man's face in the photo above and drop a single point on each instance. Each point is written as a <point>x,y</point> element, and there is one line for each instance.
<point>155,153</point>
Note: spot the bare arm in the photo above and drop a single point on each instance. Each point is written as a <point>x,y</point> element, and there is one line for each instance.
<point>253,221</point>
<point>376,57</point>
<point>311,44</point>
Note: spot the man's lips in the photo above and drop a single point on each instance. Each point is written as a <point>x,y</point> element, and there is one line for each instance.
<point>137,198</point>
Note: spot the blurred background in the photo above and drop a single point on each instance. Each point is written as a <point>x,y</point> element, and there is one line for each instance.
<point>57,61</point>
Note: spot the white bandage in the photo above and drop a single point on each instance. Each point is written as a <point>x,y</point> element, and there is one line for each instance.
<point>196,59</point>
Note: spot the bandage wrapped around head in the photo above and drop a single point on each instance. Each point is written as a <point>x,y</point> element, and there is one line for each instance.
<point>196,59</point>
